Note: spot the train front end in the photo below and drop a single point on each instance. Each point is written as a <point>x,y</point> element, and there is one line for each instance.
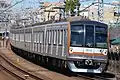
<point>87,46</point>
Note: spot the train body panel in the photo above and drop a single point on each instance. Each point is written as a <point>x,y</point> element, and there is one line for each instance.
<point>43,40</point>
<point>82,44</point>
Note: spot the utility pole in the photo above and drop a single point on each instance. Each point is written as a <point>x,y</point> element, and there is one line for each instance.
<point>100,10</point>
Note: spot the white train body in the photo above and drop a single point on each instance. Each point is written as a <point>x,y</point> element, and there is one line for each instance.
<point>82,44</point>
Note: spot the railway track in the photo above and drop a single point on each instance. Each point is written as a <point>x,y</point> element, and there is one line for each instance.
<point>18,72</point>
<point>104,76</point>
<point>93,77</point>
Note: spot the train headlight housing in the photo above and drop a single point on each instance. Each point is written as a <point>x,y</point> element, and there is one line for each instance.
<point>105,53</point>
<point>71,50</point>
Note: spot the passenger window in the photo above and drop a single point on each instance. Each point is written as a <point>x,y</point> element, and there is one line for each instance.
<point>30,37</point>
<point>37,38</point>
<point>49,37</point>
<point>52,38</point>
<point>13,36</point>
<point>17,37</point>
<point>41,37</point>
<point>34,37</point>
<point>21,37</point>
<point>61,36</point>
<point>55,36</point>
<point>26,37</point>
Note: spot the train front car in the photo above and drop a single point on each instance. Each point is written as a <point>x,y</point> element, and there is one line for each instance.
<point>87,46</point>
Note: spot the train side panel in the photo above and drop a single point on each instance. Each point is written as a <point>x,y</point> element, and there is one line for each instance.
<point>47,40</point>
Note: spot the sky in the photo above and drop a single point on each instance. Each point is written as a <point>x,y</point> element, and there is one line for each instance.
<point>80,0</point>
<point>35,3</point>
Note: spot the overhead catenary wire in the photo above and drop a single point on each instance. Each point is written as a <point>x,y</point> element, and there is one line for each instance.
<point>11,6</point>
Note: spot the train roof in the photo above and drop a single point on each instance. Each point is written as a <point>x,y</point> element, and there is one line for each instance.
<point>72,20</point>
<point>87,22</point>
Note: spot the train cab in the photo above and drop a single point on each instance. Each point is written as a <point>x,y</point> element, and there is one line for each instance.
<point>88,46</point>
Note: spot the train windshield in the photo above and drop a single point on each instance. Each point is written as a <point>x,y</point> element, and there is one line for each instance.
<point>77,35</point>
<point>89,36</point>
<point>100,37</point>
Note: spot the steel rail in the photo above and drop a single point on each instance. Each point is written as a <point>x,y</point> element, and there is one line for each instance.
<point>21,70</point>
<point>92,77</point>
<point>10,72</point>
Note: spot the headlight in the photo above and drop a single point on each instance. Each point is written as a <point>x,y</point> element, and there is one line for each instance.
<point>71,50</point>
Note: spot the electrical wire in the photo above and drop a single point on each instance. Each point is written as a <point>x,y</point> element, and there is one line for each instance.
<point>11,6</point>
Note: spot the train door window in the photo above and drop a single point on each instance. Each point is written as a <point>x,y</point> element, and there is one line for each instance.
<point>35,42</point>
<point>55,34</point>
<point>41,37</point>
<point>60,38</point>
<point>17,37</point>
<point>89,39</point>
<point>13,37</point>
<point>46,42</point>
<point>37,38</point>
<point>62,35</point>
<point>52,37</point>
<point>21,37</point>
<point>26,37</point>
<point>65,36</point>
<point>29,37</point>
<point>57,37</point>
<point>49,36</point>
<point>34,37</point>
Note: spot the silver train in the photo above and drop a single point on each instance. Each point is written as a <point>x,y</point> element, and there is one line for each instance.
<point>80,45</point>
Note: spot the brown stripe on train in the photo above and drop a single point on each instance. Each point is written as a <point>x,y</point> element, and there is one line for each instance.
<point>88,54</point>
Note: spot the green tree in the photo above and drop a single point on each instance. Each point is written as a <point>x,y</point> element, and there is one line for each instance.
<point>70,5</point>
